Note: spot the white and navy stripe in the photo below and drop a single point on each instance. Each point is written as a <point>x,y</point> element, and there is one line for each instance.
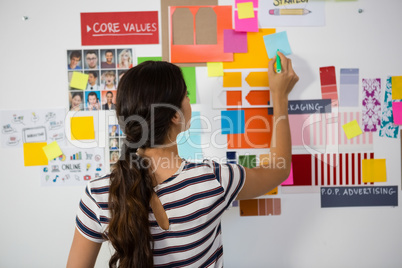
<point>194,199</point>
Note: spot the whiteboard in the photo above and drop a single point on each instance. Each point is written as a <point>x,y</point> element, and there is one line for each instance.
<point>38,222</point>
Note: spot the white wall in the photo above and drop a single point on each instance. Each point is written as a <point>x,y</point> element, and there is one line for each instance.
<point>38,223</point>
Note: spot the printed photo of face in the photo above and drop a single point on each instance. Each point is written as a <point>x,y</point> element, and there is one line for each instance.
<point>76,102</point>
<point>91,59</point>
<point>109,57</point>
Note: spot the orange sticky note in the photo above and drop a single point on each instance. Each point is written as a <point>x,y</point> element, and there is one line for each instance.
<point>352,129</point>
<point>232,79</point>
<point>52,150</point>
<point>215,68</point>
<point>34,154</point>
<point>374,170</point>
<point>79,80</point>
<point>82,128</point>
<point>245,10</point>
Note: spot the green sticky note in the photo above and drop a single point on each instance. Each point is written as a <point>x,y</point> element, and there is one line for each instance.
<point>248,161</point>
<point>374,170</point>
<point>215,68</point>
<point>82,128</point>
<point>142,59</point>
<point>52,150</point>
<point>352,129</point>
<point>189,77</point>
<point>245,10</point>
<point>79,80</point>
<point>34,154</point>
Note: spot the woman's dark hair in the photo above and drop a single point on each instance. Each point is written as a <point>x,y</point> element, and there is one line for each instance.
<point>145,126</point>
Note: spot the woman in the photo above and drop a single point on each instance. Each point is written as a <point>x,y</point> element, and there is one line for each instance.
<point>156,209</point>
<point>125,60</point>
<point>76,102</point>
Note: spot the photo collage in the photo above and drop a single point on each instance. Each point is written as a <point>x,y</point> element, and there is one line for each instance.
<point>116,140</point>
<point>104,68</point>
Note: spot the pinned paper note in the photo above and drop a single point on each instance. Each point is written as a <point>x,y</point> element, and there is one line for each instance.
<point>276,41</point>
<point>374,170</point>
<point>245,10</point>
<point>397,112</point>
<point>396,87</point>
<point>189,78</point>
<point>82,128</point>
<point>352,129</point>
<point>34,154</point>
<point>234,41</point>
<point>52,150</point>
<point>232,122</point>
<point>79,80</point>
<point>246,25</point>
<point>215,68</point>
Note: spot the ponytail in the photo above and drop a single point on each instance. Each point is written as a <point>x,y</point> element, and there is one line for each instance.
<point>129,197</point>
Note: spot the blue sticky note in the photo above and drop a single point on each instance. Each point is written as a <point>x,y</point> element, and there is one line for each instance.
<point>189,146</point>
<point>232,122</point>
<point>195,127</point>
<point>276,41</point>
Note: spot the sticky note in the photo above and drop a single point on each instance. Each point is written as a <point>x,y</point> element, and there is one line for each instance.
<point>255,2</point>
<point>234,41</point>
<point>397,112</point>
<point>34,154</point>
<point>189,78</point>
<point>232,79</point>
<point>215,68</point>
<point>232,122</point>
<point>352,129</point>
<point>246,25</point>
<point>79,80</point>
<point>142,59</point>
<point>396,87</point>
<point>189,146</point>
<point>52,150</point>
<point>273,191</point>
<point>276,41</point>
<point>245,10</point>
<point>82,128</point>
<point>289,180</point>
<point>374,170</point>
<point>248,161</point>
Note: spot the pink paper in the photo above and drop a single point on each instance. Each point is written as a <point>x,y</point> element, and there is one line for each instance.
<point>246,25</point>
<point>397,111</point>
<point>296,122</point>
<point>371,104</point>
<point>234,41</point>
<point>289,180</point>
<point>255,2</point>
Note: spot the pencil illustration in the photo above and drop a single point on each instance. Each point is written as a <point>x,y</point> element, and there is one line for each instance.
<point>289,11</point>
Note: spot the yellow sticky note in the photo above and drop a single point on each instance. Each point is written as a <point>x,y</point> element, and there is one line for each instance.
<point>352,129</point>
<point>265,159</point>
<point>79,80</point>
<point>34,154</point>
<point>82,128</point>
<point>396,87</point>
<point>374,170</point>
<point>245,10</point>
<point>273,192</point>
<point>52,150</point>
<point>215,68</point>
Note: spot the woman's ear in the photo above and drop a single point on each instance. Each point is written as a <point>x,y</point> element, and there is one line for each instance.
<point>176,119</point>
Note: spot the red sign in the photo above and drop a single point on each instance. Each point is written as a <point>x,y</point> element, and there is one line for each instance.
<point>119,28</point>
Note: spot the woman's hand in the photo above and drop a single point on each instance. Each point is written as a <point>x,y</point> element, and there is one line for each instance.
<point>281,84</point>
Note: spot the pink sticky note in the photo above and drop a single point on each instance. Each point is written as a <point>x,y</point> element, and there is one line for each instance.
<point>246,25</point>
<point>255,2</point>
<point>289,180</point>
<point>234,41</point>
<point>397,112</point>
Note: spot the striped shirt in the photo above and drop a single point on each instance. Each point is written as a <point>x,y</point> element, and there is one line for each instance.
<point>194,199</point>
